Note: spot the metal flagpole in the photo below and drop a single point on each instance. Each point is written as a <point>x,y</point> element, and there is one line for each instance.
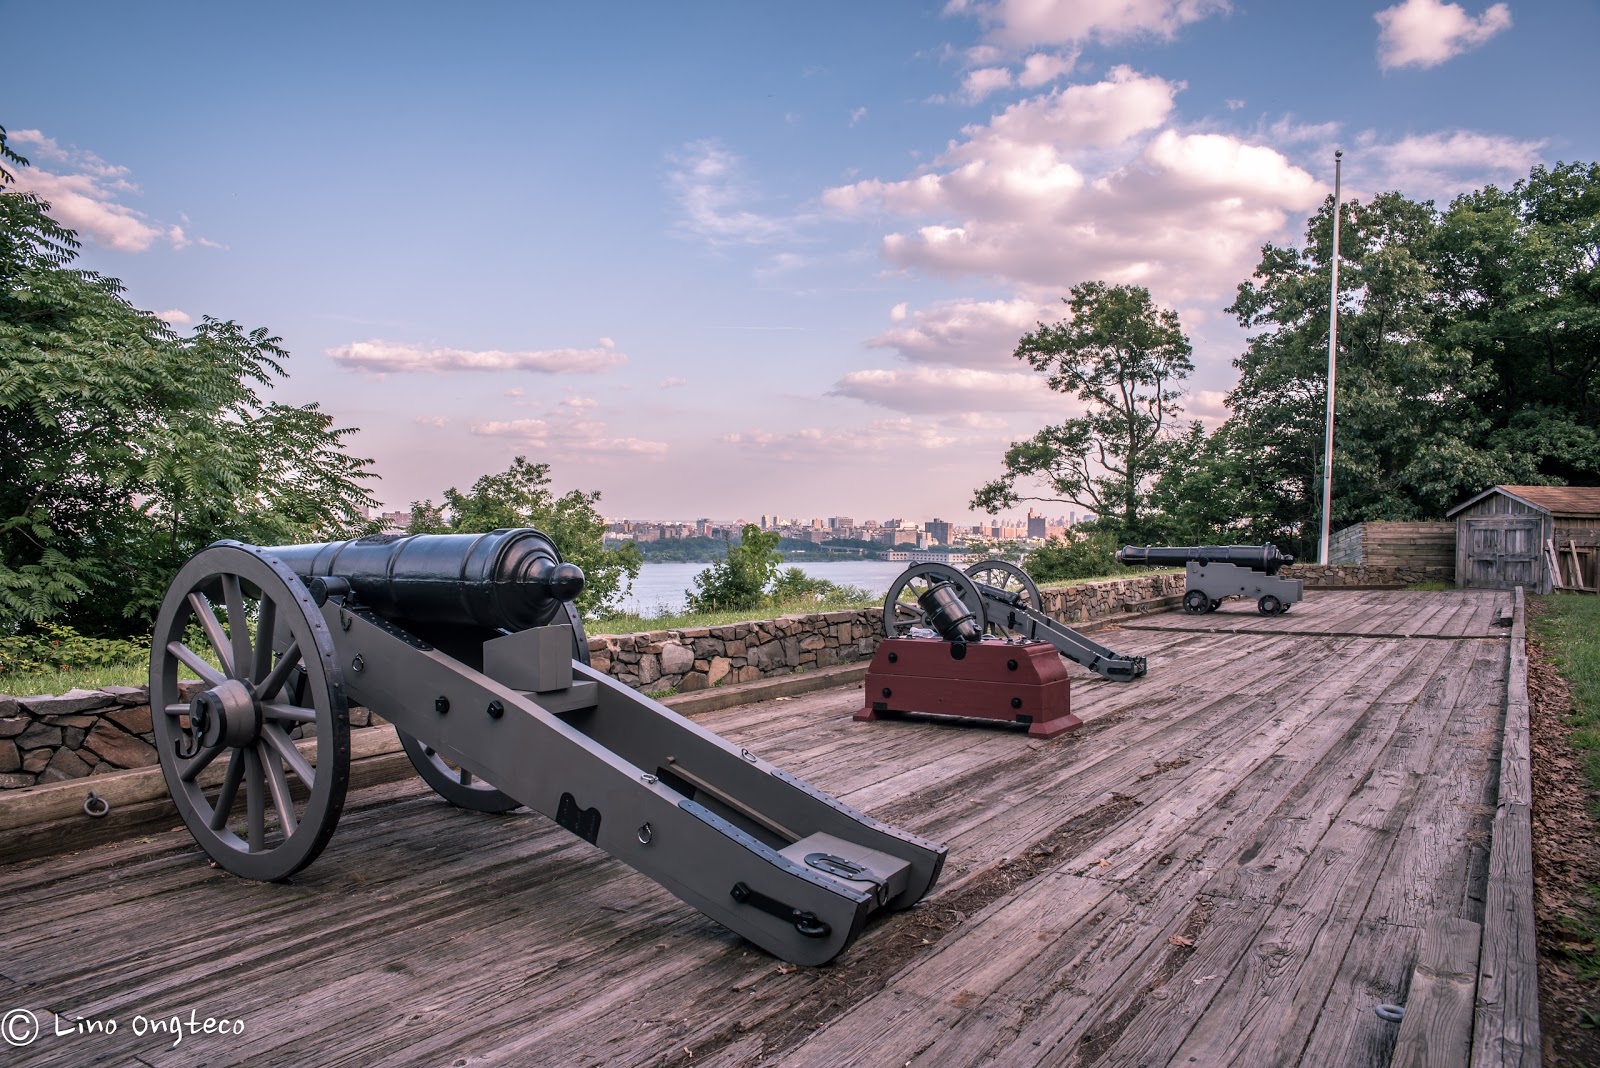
<point>1333,344</point>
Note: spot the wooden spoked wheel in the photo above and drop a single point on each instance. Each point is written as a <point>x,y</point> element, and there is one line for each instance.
<point>1012,583</point>
<point>902,609</point>
<point>267,718</point>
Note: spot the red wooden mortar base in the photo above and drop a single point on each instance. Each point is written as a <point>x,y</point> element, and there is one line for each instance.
<point>1024,683</point>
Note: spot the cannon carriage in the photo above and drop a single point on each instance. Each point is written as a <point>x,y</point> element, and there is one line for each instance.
<point>1213,573</point>
<point>470,646</point>
<point>977,645</point>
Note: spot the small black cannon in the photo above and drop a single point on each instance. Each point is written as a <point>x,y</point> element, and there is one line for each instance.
<point>470,646</point>
<point>1217,572</point>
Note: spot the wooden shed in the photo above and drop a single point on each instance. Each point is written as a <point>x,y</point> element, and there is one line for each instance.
<point>1515,535</point>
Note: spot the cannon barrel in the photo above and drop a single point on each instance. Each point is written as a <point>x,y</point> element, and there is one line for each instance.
<point>1265,558</point>
<point>509,579</point>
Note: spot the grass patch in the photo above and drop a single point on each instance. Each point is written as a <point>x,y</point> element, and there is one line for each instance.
<point>51,658</point>
<point>634,623</point>
<point>1570,630</point>
<point>1432,586</point>
<point>30,683</point>
<point>1142,572</point>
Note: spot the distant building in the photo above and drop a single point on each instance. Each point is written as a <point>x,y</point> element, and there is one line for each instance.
<point>939,531</point>
<point>925,556</point>
<point>1036,525</point>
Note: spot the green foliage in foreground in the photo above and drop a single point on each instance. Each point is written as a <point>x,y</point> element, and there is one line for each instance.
<point>740,579</point>
<point>52,658</point>
<point>1091,556</point>
<point>125,447</point>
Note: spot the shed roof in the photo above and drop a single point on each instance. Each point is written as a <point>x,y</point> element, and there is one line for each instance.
<point>1581,502</point>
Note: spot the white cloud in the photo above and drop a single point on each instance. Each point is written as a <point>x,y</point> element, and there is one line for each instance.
<point>949,389</point>
<point>1441,165</point>
<point>85,196</point>
<point>84,203</point>
<point>1425,33</point>
<point>962,333</point>
<point>580,403</point>
<point>574,437</point>
<point>711,190</point>
<point>897,313</point>
<point>983,81</point>
<point>1085,182</point>
<point>1042,68</point>
<point>1025,22</point>
<point>176,317</point>
<point>881,436</point>
<point>432,420</point>
<point>857,115</point>
<point>384,357</point>
<point>672,383</point>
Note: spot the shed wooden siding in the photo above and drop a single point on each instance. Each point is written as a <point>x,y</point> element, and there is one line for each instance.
<point>1562,514</point>
<point>1395,545</point>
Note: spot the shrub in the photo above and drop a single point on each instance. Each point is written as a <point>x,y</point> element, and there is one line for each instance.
<point>1090,556</point>
<point>53,647</point>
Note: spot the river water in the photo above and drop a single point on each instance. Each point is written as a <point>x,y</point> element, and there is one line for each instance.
<point>662,586</point>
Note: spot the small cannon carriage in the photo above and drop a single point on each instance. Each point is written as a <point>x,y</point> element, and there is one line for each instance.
<point>977,645</point>
<point>1217,572</point>
<point>470,646</point>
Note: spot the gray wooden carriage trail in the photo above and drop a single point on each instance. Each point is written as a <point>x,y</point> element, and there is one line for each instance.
<point>1231,863</point>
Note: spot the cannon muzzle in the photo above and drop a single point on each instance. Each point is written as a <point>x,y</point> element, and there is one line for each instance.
<point>510,579</point>
<point>1265,558</point>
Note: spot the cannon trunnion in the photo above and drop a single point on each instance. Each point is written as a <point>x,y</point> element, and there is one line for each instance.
<point>1216,572</point>
<point>468,644</point>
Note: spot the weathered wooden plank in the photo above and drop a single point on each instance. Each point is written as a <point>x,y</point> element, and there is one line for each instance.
<point>1433,871</point>
<point>1506,1024</point>
<point>1269,997</point>
<point>1075,1013</point>
<point>1437,1029</point>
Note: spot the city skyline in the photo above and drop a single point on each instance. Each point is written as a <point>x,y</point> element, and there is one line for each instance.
<point>694,257</point>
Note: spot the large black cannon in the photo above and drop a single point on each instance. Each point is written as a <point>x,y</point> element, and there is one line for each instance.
<point>1217,572</point>
<point>469,645</point>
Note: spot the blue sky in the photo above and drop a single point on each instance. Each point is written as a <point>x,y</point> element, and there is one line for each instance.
<point>726,259</point>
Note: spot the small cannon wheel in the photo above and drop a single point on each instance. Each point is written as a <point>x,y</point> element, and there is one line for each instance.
<point>456,784</point>
<point>901,610</point>
<point>1269,606</point>
<point>242,622</point>
<point>1195,602</point>
<point>1008,578</point>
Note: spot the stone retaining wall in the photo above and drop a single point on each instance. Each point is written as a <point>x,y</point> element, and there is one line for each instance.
<point>85,733</point>
<point>1397,576</point>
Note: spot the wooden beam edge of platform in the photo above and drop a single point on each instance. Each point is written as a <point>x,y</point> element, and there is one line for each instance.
<point>1505,1028</point>
<point>41,821</point>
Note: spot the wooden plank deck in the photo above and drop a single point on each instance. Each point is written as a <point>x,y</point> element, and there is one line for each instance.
<point>1231,863</point>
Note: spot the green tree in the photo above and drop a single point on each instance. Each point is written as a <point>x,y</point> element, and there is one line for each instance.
<point>520,496</point>
<point>1124,360</point>
<point>740,579</point>
<point>1468,348</point>
<point>124,447</point>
